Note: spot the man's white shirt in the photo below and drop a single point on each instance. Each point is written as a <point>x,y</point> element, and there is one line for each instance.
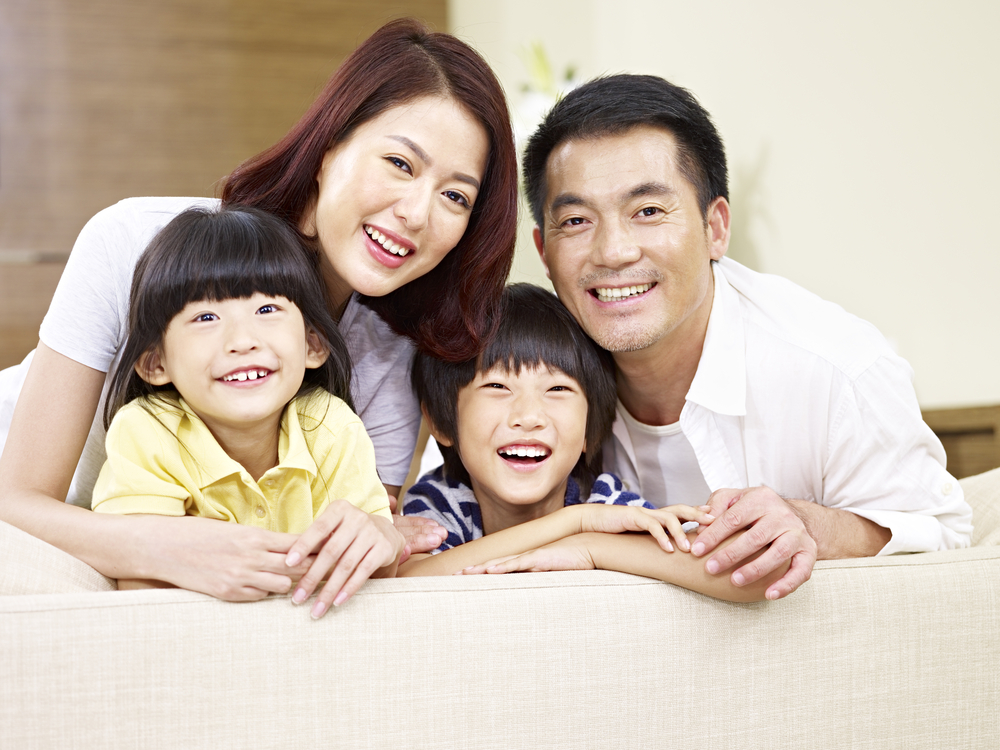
<point>794,393</point>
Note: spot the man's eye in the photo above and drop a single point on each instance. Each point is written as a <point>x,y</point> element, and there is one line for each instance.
<point>648,211</point>
<point>574,222</point>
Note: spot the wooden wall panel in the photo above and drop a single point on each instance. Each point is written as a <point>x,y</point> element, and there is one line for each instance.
<point>106,99</point>
<point>111,98</point>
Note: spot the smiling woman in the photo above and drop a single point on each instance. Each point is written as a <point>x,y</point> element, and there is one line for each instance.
<point>401,179</point>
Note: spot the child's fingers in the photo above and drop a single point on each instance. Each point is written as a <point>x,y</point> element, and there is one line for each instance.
<point>688,513</point>
<point>474,570</point>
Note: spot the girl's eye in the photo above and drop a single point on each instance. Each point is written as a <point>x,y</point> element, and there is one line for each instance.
<point>400,163</point>
<point>206,317</point>
<point>267,309</point>
<point>457,197</point>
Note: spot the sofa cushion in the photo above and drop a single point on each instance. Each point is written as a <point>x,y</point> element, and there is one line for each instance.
<point>31,566</point>
<point>982,492</point>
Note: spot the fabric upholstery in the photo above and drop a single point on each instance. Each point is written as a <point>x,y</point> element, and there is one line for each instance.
<point>895,652</point>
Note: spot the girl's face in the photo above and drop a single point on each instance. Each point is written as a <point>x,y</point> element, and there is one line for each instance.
<point>396,196</point>
<point>237,362</point>
<point>519,437</point>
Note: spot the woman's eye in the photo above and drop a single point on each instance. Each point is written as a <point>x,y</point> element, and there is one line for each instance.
<point>456,197</point>
<point>400,163</point>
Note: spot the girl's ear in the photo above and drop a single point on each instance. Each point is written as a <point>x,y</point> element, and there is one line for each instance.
<point>435,432</point>
<point>316,352</point>
<point>150,367</point>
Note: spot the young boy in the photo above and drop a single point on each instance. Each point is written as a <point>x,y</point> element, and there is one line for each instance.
<point>520,431</point>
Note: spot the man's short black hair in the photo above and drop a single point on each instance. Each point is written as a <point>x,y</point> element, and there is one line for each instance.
<point>613,105</point>
<point>535,330</point>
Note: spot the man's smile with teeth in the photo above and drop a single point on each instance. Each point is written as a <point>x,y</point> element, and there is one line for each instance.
<point>386,243</point>
<point>245,375</point>
<point>609,294</point>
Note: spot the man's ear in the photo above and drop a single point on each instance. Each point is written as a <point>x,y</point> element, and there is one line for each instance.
<point>536,235</point>
<point>718,221</point>
<point>316,351</point>
<point>151,369</point>
<point>435,432</point>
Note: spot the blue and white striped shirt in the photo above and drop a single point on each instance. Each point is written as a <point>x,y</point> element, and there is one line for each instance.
<point>454,506</point>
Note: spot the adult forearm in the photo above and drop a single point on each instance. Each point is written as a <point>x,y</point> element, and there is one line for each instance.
<point>839,533</point>
<point>639,554</point>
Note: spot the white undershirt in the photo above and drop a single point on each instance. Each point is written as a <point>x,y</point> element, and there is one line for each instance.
<point>665,461</point>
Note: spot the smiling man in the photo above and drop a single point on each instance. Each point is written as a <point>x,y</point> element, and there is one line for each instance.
<point>794,417</point>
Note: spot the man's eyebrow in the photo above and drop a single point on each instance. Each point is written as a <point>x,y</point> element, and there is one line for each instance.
<point>639,191</point>
<point>646,189</point>
<point>426,159</point>
<point>566,199</point>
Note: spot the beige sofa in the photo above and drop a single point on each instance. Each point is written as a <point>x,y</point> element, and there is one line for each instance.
<point>901,652</point>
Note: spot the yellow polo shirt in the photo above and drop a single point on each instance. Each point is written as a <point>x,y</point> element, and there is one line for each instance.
<point>162,459</point>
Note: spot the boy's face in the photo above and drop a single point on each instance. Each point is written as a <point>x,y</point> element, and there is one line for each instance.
<point>520,435</point>
<point>237,362</point>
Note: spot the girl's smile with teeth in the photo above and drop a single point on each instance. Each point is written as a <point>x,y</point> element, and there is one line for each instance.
<point>243,375</point>
<point>393,247</point>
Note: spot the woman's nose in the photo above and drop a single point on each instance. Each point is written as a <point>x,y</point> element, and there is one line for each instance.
<point>414,206</point>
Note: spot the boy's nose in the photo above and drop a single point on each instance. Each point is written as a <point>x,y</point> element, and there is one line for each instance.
<point>527,413</point>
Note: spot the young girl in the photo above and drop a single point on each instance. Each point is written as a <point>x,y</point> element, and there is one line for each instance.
<point>520,430</point>
<point>231,399</point>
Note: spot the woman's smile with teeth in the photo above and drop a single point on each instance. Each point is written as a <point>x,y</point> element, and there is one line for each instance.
<point>386,243</point>
<point>608,294</point>
<point>245,375</point>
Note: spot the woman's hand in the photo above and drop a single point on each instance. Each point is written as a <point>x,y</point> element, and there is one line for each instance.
<point>351,547</point>
<point>224,560</point>
<point>618,519</point>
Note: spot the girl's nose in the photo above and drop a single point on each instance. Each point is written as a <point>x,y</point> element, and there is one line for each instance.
<point>241,338</point>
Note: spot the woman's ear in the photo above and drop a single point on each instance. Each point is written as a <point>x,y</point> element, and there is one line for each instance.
<point>316,351</point>
<point>150,367</point>
<point>435,432</point>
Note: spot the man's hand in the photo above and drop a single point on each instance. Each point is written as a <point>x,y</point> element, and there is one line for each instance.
<point>769,520</point>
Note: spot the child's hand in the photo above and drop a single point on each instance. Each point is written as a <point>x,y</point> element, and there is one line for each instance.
<point>566,554</point>
<point>616,519</point>
<point>351,545</point>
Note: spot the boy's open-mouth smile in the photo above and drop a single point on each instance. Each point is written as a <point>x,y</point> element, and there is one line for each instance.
<point>520,453</point>
<point>618,293</point>
<point>242,376</point>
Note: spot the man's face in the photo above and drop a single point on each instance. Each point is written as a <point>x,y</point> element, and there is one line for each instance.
<point>624,242</point>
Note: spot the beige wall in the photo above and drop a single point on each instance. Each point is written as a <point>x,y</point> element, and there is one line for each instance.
<point>862,139</point>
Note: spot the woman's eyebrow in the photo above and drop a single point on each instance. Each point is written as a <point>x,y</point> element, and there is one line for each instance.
<point>426,159</point>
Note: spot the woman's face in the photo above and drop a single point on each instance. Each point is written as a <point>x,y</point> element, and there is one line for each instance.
<point>397,195</point>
